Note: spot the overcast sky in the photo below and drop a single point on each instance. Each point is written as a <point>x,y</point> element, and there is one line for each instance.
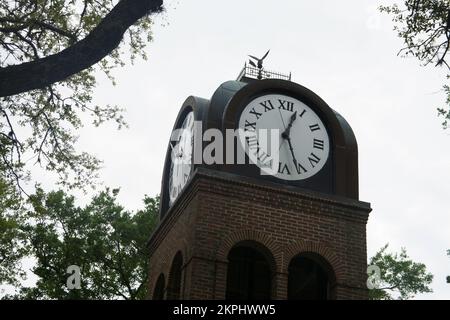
<point>345,51</point>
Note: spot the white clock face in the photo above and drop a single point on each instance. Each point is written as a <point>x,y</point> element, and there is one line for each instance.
<point>303,140</point>
<point>181,157</point>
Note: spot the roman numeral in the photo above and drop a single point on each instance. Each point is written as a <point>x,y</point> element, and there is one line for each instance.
<point>267,105</point>
<point>302,113</point>
<point>300,169</point>
<point>313,159</point>
<point>263,157</point>
<point>283,168</point>
<point>286,105</point>
<point>252,142</point>
<point>318,144</point>
<point>186,177</point>
<point>257,114</point>
<point>250,124</point>
<point>314,127</point>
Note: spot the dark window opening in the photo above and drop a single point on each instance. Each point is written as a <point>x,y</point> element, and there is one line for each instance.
<point>174,284</point>
<point>249,275</point>
<point>158,293</point>
<point>308,280</point>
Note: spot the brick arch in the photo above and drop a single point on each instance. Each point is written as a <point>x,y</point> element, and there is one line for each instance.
<point>164,264</point>
<point>251,236</point>
<point>318,248</point>
<point>165,261</point>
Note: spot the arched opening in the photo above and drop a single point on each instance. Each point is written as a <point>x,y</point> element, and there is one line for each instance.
<point>249,275</point>
<point>158,293</point>
<point>174,283</point>
<point>310,278</point>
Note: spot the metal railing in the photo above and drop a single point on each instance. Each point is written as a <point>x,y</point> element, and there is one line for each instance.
<point>260,74</point>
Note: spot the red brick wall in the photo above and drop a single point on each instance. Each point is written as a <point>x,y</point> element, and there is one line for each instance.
<point>219,210</point>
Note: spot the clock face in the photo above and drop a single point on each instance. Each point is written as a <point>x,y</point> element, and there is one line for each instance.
<point>181,157</point>
<point>303,139</point>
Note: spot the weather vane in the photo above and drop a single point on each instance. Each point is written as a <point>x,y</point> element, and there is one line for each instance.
<point>259,63</point>
<point>254,70</point>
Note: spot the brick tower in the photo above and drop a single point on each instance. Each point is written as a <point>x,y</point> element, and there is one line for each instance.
<point>227,231</point>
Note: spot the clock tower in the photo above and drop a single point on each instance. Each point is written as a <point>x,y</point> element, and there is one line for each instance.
<point>259,198</point>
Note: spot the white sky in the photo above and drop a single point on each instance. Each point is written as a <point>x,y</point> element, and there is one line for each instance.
<point>345,51</point>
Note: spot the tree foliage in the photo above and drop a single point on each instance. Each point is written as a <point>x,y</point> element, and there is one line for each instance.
<point>43,38</point>
<point>107,242</point>
<point>12,238</point>
<point>400,276</point>
<point>424,27</point>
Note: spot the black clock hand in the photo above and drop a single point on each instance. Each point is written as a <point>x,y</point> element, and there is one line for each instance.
<point>293,118</point>
<point>287,132</point>
<point>292,152</point>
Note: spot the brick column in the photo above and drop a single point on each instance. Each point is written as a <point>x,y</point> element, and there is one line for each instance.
<point>280,286</point>
<point>221,280</point>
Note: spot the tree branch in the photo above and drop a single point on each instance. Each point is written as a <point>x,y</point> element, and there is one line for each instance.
<point>83,54</point>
